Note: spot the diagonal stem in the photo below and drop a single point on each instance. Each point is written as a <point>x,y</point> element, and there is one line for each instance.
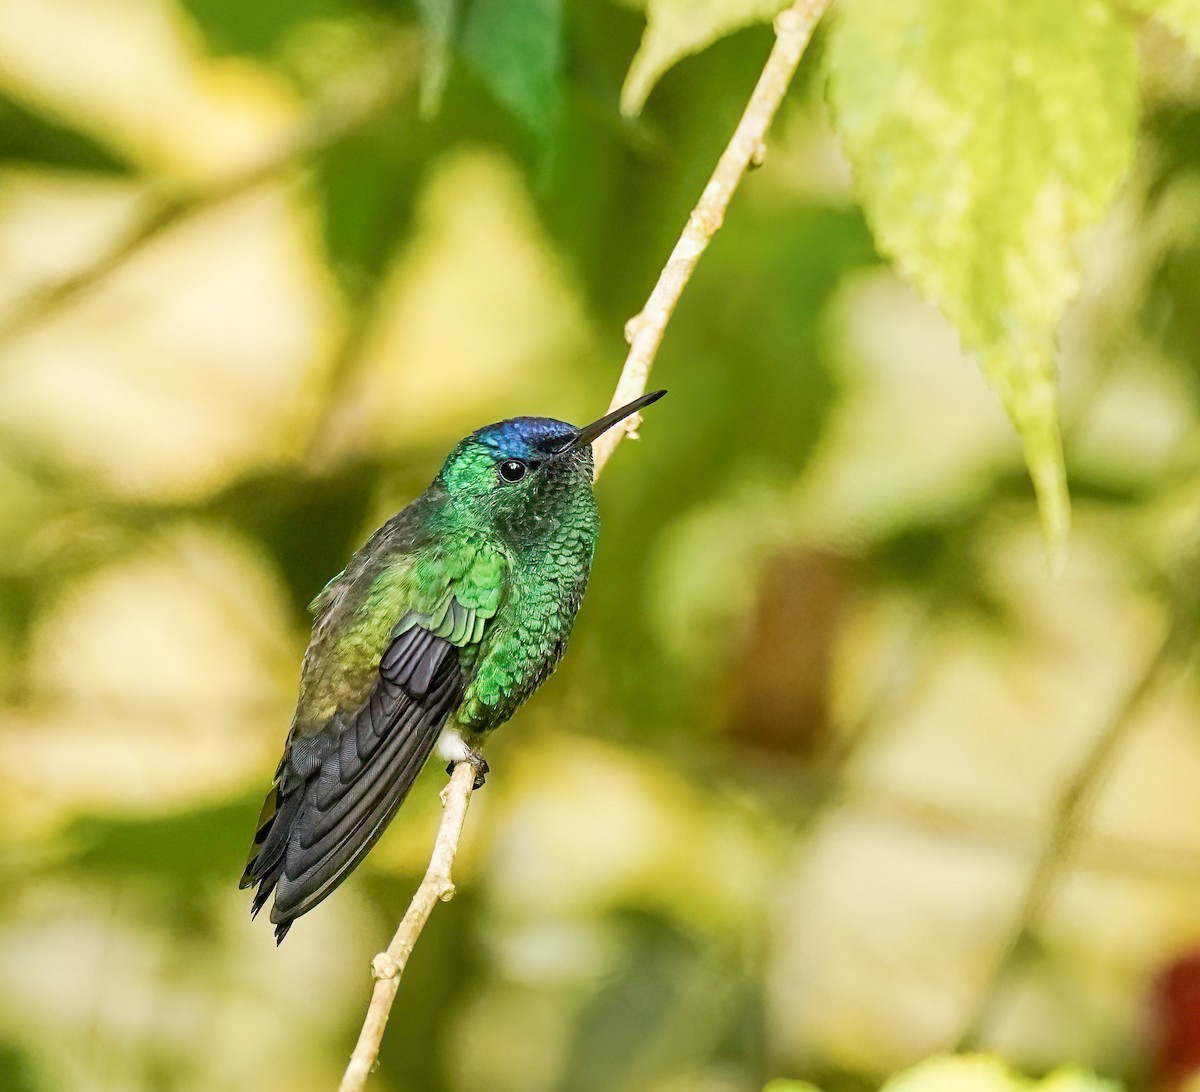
<point>388,966</point>
<point>793,29</point>
<point>1061,842</point>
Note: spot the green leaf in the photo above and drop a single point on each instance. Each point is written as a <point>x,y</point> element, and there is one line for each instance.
<point>974,1073</point>
<point>438,20</point>
<point>678,28</point>
<point>965,1074</point>
<point>1182,16</point>
<point>984,136</point>
<point>1076,1079</point>
<point>515,47</point>
<point>981,1073</point>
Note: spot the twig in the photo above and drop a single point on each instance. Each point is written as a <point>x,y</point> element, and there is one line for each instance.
<point>793,28</point>
<point>644,332</point>
<point>388,966</point>
<point>1069,815</point>
<point>347,107</point>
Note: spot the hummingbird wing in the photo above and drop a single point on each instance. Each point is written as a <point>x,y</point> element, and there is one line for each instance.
<point>337,787</point>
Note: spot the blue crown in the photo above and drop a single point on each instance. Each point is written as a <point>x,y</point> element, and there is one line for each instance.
<point>525,437</point>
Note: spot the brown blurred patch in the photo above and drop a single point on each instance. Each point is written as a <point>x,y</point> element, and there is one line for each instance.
<point>781,680</point>
<point>1175,1024</point>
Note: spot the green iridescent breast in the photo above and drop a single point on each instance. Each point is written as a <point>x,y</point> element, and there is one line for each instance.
<point>526,640</point>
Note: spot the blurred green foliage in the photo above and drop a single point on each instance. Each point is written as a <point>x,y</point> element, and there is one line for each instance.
<point>776,814</point>
<point>29,137</point>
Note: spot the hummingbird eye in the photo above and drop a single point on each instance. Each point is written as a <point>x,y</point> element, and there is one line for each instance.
<point>513,470</point>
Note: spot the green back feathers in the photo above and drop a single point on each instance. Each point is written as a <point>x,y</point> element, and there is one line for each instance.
<point>399,590</point>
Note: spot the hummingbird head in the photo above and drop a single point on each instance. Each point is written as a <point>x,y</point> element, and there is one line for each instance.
<point>516,474</point>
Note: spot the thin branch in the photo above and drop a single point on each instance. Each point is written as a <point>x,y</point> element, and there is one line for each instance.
<point>644,332</point>
<point>348,106</point>
<point>388,966</point>
<point>1069,816</point>
<point>793,29</point>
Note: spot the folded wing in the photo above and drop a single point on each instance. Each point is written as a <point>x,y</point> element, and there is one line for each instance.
<point>336,790</point>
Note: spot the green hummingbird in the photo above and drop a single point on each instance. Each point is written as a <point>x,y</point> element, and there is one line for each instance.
<point>434,634</point>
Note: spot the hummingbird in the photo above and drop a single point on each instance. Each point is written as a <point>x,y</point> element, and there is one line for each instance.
<point>437,631</point>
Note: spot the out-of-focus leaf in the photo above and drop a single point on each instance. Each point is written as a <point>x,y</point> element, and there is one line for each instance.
<point>310,526</point>
<point>28,137</point>
<point>1182,16</point>
<point>678,28</point>
<point>655,187</point>
<point>438,20</point>
<point>515,47</point>
<point>980,1073</point>
<point>367,185</point>
<point>235,26</point>
<point>17,1072</point>
<point>790,1086</point>
<point>194,849</point>
<point>628,1037</point>
<point>984,137</point>
<point>1076,1079</point>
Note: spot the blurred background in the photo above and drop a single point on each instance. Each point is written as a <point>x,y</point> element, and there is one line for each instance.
<point>836,774</point>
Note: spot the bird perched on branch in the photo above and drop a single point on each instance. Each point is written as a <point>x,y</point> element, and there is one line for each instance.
<point>451,615</point>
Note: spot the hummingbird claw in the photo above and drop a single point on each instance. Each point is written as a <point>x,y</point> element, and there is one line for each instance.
<point>482,769</point>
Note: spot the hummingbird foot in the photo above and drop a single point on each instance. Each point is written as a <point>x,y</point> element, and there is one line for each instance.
<point>455,749</point>
<point>477,762</point>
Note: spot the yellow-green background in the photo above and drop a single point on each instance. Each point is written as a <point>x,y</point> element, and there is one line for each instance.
<point>777,813</point>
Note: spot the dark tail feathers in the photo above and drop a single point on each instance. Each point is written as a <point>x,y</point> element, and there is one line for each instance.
<point>336,791</point>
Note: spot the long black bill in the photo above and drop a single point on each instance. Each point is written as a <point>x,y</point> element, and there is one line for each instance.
<point>589,432</point>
